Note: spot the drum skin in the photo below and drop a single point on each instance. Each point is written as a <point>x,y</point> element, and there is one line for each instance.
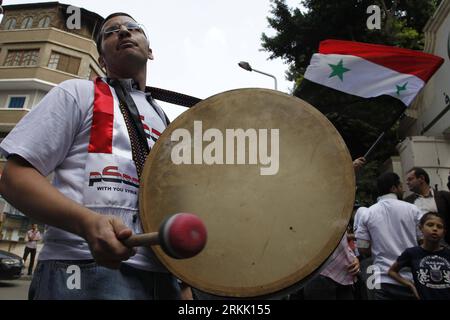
<point>265,232</point>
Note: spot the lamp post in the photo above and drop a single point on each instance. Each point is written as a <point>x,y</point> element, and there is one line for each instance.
<point>246,66</point>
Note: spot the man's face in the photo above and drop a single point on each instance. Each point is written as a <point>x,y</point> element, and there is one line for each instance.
<point>413,182</point>
<point>34,226</point>
<point>123,48</point>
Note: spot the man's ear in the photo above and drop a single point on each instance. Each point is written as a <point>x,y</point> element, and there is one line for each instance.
<point>150,53</point>
<point>393,189</point>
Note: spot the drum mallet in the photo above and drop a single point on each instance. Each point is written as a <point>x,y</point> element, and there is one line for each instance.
<point>181,236</point>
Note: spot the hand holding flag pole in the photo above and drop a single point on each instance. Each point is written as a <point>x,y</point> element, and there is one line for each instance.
<point>399,116</point>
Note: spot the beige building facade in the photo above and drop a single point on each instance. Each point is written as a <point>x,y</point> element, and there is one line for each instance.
<point>41,45</point>
<point>426,127</point>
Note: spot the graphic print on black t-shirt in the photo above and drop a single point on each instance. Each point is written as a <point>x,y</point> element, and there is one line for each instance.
<point>431,271</point>
<point>434,272</point>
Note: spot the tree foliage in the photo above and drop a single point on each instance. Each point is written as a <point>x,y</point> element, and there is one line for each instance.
<point>298,32</point>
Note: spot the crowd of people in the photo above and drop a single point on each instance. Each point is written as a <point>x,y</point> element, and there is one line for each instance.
<point>401,250</point>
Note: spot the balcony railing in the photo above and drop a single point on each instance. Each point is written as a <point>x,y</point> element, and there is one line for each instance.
<point>52,35</point>
<point>34,72</point>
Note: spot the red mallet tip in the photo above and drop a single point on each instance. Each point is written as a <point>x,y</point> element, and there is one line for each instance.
<point>183,235</point>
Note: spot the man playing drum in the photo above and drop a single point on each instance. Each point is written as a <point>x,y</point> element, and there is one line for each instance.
<point>96,136</point>
<point>86,133</point>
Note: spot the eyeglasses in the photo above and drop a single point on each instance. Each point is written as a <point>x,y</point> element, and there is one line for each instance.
<point>129,25</point>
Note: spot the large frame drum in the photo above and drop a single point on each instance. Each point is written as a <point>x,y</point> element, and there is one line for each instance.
<point>272,221</point>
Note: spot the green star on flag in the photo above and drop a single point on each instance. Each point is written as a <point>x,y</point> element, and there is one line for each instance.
<point>401,88</point>
<point>338,70</point>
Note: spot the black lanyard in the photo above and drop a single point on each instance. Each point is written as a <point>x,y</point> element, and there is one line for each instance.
<point>125,97</point>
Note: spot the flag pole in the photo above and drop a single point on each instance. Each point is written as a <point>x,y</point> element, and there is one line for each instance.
<point>399,116</point>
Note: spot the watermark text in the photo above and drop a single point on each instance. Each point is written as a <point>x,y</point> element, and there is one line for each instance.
<point>374,20</point>
<point>74,20</point>
<point>235,146</point>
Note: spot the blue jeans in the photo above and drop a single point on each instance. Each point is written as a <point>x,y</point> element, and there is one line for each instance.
<point>85,280</point>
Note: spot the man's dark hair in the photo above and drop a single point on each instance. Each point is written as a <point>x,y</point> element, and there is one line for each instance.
<point>386,181</point>
<point>98,40</point>
<point>420,172</point>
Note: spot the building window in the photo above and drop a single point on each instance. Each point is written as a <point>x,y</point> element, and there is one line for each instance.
<point>22,57</point>
<point>44,22</point>
<point>54,59</point>
<point>27,23</point>
<point>10,24</point>
<point>64,62</point>
<point>16,102</point>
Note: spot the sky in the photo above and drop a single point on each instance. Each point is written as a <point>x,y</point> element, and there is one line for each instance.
<point>197,44</point>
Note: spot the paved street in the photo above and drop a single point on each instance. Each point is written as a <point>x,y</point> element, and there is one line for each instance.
<point>14,289</point>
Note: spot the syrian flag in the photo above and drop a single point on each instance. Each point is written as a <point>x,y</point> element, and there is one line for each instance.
<point>365,85</point>
<point>371,70</point>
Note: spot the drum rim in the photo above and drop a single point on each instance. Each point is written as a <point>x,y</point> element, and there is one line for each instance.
<point>268,289</point>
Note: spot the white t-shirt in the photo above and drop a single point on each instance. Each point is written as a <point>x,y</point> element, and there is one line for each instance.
<point>391,227</point>
<point>54,137</point>
<point>359,217</point>
<point>426,204</point>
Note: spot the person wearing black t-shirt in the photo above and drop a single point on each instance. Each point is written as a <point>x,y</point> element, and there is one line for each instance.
<point>429,263</point>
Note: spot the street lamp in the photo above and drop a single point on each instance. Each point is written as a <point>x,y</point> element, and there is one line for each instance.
<point>246,66</point>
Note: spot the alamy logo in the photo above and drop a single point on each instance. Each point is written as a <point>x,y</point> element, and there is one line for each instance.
<point>374,20</point>
<point>74,280</point>
<point>251,142</point>
<point>373,281</point>
<point>74,20</point>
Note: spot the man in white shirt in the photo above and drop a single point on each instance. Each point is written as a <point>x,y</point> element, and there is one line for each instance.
<point>33,236</point>
<point>360,214</point>
<point>388,228</point>
<point>427,199</point>
<point>365,262</point>
<point>94,136</point>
